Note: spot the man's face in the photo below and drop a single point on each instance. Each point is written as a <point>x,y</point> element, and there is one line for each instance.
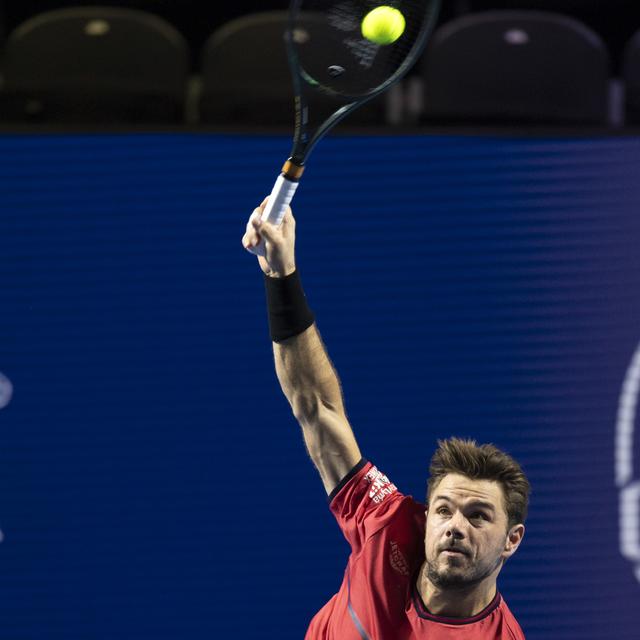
<point>467,539</point>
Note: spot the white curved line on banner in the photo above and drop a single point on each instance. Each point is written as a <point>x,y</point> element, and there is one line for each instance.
<point>627,410</point>
<point>624,469</point>
<point>6,391</point>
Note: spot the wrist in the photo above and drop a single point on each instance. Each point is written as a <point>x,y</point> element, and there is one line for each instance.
<point>280,272</point>
<point>289,313</point>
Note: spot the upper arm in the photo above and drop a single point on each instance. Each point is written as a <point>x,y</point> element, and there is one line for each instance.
<point>330,442</point>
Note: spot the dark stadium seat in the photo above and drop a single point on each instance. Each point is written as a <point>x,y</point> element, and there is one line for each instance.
<point>631,79</point>
<point>246,78</point>
<point>516,66</point>
<point>95,65</point>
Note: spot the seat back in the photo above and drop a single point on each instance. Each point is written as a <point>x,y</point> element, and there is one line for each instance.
<point>96,64</point>
<point>246,77</point>
<point>515,66</point>
<point>631,79</point>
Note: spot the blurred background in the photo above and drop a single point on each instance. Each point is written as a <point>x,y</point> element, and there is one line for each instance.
<point>478,276</point>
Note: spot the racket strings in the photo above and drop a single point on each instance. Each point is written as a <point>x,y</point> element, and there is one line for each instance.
<point>335,57</point>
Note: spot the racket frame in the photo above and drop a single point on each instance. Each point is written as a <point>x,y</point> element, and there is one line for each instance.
<point>287,182</point>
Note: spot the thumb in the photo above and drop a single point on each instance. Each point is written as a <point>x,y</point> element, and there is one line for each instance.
<point>265,229</point>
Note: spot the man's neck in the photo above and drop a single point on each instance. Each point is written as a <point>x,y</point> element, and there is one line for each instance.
<point>463,603</point>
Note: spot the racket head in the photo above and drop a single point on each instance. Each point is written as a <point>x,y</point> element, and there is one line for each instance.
<point>329,55</point>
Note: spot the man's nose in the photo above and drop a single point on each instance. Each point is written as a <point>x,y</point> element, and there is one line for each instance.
<point>456,527</point>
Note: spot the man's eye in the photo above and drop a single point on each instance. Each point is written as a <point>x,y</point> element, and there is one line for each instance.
<point>480,515</point>
<point>443,510</point>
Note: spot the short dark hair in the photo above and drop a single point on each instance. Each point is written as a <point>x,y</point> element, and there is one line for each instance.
<point>482,462</point>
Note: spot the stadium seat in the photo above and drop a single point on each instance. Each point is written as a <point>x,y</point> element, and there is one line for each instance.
<point>514,67</point>
<point>246,77</point>
<point>631,79</point>
<point>95,65</point>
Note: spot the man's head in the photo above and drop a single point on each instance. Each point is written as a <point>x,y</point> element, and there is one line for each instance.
<point>477,502</point>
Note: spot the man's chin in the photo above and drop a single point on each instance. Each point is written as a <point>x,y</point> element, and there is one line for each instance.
<point>451,578</point>
<point>450,581</point>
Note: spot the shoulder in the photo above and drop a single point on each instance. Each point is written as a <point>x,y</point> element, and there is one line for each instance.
<point>367,489</point>
<point>366,501</point>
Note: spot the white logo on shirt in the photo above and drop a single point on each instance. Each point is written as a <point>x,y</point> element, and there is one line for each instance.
<point>381,486</point>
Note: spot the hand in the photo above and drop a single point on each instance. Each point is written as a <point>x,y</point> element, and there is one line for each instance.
<point>279,242</point>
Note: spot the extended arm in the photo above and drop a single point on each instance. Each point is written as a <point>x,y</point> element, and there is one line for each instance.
<point>312,388</point>
<point>304,370</point>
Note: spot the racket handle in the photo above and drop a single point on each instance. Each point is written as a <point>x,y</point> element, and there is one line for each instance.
<point>276,207</point>
<point>280,198</point>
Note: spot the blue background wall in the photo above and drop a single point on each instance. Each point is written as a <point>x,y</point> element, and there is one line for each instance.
<point>154,482</point>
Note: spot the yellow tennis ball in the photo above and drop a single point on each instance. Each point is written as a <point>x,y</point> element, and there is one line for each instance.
<point>383,25</point>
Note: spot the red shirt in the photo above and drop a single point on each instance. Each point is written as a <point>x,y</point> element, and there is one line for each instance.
<point>378,599</point>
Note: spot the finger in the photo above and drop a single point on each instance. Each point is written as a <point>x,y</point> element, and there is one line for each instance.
<point>249,241</point>
<point>251,236</point>
<point>266,230</point>
<point>255,221</point>
<point>288,224</point>
<point>288,219</point>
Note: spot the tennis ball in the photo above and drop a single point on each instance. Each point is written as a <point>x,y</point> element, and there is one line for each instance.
<point>383,25</point>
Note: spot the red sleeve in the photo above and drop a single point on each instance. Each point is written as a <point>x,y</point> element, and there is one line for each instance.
<point>363,503</point>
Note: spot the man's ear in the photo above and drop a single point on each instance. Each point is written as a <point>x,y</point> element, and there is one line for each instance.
<point>514,538</point>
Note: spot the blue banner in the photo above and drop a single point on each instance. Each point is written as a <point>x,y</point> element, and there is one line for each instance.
<point>155,483</point>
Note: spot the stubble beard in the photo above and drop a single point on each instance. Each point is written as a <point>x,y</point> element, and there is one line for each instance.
<point>456,579</point>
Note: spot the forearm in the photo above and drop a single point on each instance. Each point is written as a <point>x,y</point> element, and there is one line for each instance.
<point>312,387</point>
<point>304,370</point>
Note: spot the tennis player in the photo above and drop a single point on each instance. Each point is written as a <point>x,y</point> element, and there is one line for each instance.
<point>415,571</point>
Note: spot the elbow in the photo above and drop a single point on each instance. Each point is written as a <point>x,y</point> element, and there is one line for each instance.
<point>305,407</point>
<point>311,408</point>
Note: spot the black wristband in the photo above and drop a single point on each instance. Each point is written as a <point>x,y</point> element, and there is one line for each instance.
<point>289,313</point>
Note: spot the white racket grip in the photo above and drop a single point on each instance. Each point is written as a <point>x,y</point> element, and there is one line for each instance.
<point>276,207</point>
<point>280,198</point>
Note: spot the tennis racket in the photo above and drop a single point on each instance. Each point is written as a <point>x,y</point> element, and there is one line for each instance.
<point>331,51</point>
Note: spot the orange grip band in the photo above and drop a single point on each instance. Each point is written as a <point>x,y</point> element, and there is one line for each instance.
<point>292,171</point>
